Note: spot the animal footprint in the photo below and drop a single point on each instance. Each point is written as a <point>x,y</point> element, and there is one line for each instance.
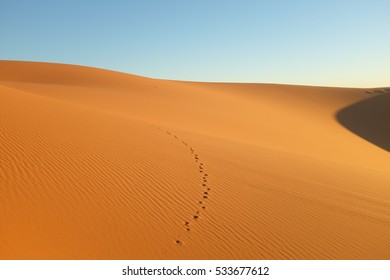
<point>187,224</point>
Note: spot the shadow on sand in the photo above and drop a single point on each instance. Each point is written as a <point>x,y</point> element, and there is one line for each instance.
<point>369,119</point>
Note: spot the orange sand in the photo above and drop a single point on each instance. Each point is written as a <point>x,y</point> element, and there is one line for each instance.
<point>96,164</point>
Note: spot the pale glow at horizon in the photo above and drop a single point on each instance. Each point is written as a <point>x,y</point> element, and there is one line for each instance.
<point>331,43</point>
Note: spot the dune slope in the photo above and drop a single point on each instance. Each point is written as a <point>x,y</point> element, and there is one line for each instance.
<point>96,164</point>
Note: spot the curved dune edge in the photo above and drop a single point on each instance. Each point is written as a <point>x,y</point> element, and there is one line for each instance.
<point>96,164</point>
<point>367,118</point>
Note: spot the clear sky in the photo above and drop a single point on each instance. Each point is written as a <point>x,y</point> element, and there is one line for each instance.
<point>327,42</point>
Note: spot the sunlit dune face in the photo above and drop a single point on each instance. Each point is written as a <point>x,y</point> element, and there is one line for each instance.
<point>96,164</point>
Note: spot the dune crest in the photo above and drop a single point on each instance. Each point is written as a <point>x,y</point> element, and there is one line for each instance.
<point>369,118</point>
<point>97,164</point>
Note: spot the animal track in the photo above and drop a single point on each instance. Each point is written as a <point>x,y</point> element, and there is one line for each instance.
<point>179,242</point>
<point>206,190</point>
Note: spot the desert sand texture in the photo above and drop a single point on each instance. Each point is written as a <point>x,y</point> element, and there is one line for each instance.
<point>97,164</point>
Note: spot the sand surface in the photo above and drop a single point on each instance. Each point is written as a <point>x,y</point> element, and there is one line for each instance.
<point>96,164</point>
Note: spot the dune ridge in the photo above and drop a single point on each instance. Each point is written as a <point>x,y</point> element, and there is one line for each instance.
<point>97,164</point>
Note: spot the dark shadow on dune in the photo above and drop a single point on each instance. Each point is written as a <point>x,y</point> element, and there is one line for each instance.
<point>369,119</point>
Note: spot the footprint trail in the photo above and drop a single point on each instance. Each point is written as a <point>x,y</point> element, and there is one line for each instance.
<point>204,188</point>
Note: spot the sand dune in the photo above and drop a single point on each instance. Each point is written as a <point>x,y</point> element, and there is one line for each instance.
<point>369,118</point>
<point>96,164</point>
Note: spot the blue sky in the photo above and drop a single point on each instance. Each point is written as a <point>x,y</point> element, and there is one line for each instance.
<point>334,42</point>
